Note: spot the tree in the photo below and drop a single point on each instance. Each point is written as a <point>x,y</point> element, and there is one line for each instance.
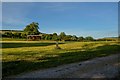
<point>62,35</point>
<point>89,38</point>
<point>17,35</point>
<point>48,37</point>
<point>43,36</point>
<point>74,38</point>
<point>54,34</point>
<point>32,29</point>
<point>55,37</point>
<point>8,34</point>
<point>23,35</point>
<point>68,38</point>
<point>81,38</point>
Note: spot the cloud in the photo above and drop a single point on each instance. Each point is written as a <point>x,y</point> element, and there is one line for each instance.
<point>13,21</point>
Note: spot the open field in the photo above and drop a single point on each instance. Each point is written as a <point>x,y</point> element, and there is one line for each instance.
<point>23,56</point>
<point>12,39</point>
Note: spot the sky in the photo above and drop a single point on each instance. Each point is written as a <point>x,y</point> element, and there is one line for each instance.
<point>97,19</point>
<point>60,0</point>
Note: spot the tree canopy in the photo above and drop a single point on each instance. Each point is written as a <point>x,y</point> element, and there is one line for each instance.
<point>89,38</point>
<point>32,29</point>
<point>62,35</point>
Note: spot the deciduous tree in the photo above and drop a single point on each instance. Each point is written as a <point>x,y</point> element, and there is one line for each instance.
<point>32,29</point>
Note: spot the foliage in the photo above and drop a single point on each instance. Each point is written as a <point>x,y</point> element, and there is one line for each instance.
<point>8,34</point>
<point>89,38</point>
<point>74,38</point>
<point>62,35</point>
<point>32,29</point>
<point>81,38</point>
<point>68,38</point>
<point>23,35</point>
<point>54,34</point>
<point>17,35</point>
<point>55,37</point>
<point>48,37</point>
<point>106,39</point>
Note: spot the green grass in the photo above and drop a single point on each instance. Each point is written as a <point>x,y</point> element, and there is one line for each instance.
<point>24,44</point>
<point>12,39</point>
<point>22,56</point>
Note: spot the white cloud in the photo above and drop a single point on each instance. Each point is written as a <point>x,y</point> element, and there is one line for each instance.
<point>13,21</point>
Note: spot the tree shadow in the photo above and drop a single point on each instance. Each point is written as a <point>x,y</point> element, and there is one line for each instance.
<point>17,45</point>
<point>20,66</point>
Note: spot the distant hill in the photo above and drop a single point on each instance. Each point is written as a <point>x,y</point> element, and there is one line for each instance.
<point>3,31</point>
<point>108,39</point>
<point>111,37</point>
<point>116,38</point>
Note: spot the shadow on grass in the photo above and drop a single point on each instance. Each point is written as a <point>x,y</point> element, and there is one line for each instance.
<point>16,45</point>
<point>16,67</point>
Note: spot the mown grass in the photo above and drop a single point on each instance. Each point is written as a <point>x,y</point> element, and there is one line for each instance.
<point>12,39</point>
<point>24,44</point>
<point>24,56</point>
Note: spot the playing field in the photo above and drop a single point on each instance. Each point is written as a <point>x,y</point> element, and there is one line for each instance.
<point>24,56</point>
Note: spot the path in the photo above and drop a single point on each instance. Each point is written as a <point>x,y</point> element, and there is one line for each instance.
<point>104,67</point>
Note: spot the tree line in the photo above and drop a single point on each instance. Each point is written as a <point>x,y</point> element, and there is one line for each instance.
<point>61,37</point>
<point>32,29</point>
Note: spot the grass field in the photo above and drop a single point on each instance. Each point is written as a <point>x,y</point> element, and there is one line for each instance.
<point>12,39</point>
<point>23,56</point>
